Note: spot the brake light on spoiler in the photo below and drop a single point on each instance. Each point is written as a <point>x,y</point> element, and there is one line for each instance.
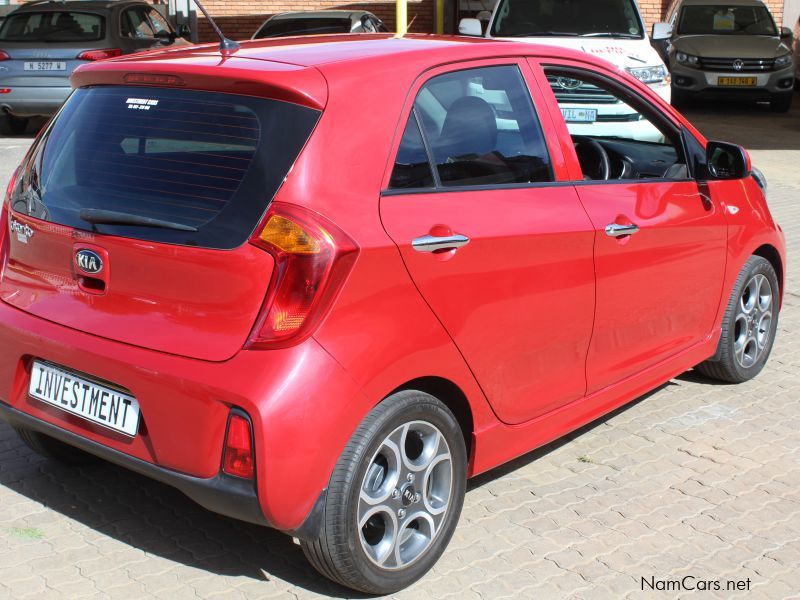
<point>313,258</point>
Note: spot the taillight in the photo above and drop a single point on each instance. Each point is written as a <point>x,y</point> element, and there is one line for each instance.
<point>237,458</point>
<point>100,54</point>
<point>313,258</point>
<point>4,55</point>
<point>4,232</point>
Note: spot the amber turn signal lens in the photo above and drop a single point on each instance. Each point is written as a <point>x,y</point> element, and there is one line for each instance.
<point>288,236</point>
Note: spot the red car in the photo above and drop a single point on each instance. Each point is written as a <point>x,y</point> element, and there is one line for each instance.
<point>316,284</point>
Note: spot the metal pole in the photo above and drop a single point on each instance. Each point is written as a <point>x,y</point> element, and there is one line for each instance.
<point>440,16</point>
<point>402,17</point>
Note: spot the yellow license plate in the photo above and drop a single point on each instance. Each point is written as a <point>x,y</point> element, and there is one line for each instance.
<point>740,81</point>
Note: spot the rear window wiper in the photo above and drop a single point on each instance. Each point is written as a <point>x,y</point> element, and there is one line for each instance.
<point>97,216</point>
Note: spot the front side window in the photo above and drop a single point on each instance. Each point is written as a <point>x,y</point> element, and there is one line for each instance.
<point>560,18</point>
<point>613,136</point>
<point>304,26</point>
<point>136,25</point>
<point>481,129</point>
<point>726,20</point>
<point>53,26</point>
<point>159,23</point>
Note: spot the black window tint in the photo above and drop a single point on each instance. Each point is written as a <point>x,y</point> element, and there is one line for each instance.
<point>412,169</point>
<point>53,26</point>
<point>482,128</point>
<point>308,26</point>
<point>206,160</point>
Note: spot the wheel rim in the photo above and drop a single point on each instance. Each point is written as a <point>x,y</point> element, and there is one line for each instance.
<point>753,324</point>
<point>405,495</point>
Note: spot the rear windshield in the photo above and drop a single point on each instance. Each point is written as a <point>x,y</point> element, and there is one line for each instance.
<point>188,160</point>
<point>314,26</point>
<point>53,26</point>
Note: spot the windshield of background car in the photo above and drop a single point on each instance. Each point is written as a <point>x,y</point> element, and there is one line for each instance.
<point>601,18</point>
<point>284,27</point>
<point>726,20</point>
<point>205,161</point>
<point>53,26</point>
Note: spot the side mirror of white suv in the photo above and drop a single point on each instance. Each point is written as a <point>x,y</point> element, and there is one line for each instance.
<point>470,27</point>
<point>662,31</point>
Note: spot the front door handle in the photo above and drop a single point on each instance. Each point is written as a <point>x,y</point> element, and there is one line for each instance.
<point>616,230</point>
<point>432,243</point>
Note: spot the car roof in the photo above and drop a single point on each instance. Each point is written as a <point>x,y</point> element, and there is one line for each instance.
<point>722,3</point>
<point>419,50</point>
<point>319,14</point>
<point>77,5</point>
<point>301,69</point>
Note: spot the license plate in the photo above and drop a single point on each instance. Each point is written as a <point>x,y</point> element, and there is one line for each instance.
<point>84,398</point>
<point>45,65</point>
<point>579,115</point>
<point>740,81</point>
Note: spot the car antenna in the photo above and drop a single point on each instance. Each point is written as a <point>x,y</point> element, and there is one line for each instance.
<point>226,45</point>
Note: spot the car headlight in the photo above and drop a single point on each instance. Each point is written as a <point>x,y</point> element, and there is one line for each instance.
<point>687,59</point>
<point>655,74</point>
<point>783,61</point>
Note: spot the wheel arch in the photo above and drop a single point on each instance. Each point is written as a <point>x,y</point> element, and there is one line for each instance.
<point>452,396</point>
<point>770,253</point>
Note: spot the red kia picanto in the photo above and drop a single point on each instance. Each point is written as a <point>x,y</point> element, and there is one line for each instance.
<point>317,283</point>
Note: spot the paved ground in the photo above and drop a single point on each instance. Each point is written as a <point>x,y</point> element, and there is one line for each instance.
<point>695,479</point>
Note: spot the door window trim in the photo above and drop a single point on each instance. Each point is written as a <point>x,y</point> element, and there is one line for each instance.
<point>529,81</point>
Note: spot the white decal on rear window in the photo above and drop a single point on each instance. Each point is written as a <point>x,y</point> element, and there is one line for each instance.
<point>141,103</point>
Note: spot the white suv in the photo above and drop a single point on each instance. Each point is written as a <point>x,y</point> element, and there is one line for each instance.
<point>611,29</point>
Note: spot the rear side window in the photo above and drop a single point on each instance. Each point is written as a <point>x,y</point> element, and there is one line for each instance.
<point>201,161</point>
<point>412,168</point>
<point>481,129</point>
<point>53,26</point>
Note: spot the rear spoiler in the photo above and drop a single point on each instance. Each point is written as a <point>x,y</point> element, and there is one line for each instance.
<point>202,68</point>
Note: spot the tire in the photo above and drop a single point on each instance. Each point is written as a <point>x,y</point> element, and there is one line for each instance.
<point>11,125</point>
<point>745,344</point>
<point>364,558</point>
<point>55,450</point>
<point>781,103</point>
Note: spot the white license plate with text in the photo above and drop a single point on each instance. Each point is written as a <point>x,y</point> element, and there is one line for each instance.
<point>85,398</point>
<point>46,65</point>
<point>579,115</point>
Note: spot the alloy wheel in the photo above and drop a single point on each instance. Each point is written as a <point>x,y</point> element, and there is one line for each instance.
<point>405,495</point>
<point>752,326</point>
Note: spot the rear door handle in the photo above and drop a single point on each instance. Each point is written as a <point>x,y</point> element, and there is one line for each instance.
<point>432,243</point>
<point>616,230</point>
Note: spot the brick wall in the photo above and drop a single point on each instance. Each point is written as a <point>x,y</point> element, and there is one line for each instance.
<point>239,19</point>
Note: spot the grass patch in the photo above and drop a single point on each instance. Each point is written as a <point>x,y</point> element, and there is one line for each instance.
<point>27,533</point>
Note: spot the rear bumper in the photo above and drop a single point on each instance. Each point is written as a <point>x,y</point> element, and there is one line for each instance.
<point>33,101</point>
<point>229,496</point>
<point>302,404</point>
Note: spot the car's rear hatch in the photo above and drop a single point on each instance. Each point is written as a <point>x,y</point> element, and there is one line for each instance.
<point>201,166</point>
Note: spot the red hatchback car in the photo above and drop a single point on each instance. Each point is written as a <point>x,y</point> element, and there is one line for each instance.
<point>316,284</point>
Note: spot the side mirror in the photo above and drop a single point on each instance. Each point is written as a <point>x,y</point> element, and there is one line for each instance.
<point>662,31</point>
<point>727,161</point>
<point>786,34</point>
<point>166,36</point>
<point>470,27</point>
<point>184,30</point>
